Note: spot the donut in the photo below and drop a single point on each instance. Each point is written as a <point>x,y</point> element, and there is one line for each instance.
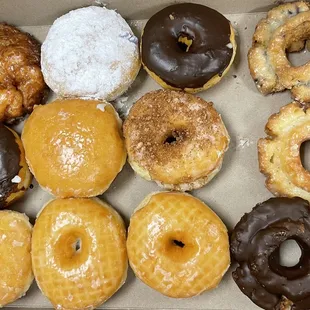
<point>74,147</point>
<point>101,59</point>
<point>15,242</point>
<point>177,245</point>
<point>175,139</point>
<point>279,153</point>
<point>255,244</point>
<point>286,28</point>
<point>15,176</point>
<point>21,81</point>
<point>188,47</point>
<point>79,252</point>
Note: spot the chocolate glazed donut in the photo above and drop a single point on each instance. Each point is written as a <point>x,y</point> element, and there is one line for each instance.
<point>255,244</point>
<point>186,45</point>
<point>9,163</point>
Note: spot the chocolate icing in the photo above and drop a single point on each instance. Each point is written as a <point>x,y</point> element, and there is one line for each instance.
<point>255,244</point>
<point>208,55</point>
<point>9,163</point>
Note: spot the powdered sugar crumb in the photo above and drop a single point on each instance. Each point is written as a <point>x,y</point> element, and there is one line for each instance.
<point>16,179</point>
<point>97,60</point>
<point>17,243</point>
<point>244,142</point>
<point>101,106</point>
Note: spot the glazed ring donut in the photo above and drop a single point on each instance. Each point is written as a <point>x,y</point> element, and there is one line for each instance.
<point>21,80</point>
<point>101,59</point>
<point>188,46</point>
<point>177,245</point>
<point>175,139</point>
<point>255,244</point>
<point>74,147</point>
<point>279,156</point>
<point>79,252</point>
<point>285,28</point>
<point>15,242</point>
<point>15,176</point>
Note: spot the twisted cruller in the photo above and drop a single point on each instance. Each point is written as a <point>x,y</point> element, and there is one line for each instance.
<point>285,29</point>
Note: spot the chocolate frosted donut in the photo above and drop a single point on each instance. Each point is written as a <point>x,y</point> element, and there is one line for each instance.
<point>14,174</point>
<point>188,46</point>
<point>255,245</point>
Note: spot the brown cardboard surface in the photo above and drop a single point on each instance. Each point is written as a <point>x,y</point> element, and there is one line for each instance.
<point>234,191</point>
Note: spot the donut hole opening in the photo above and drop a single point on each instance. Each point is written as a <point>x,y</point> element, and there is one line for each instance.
<point>184,42</point>
<point>299,53</point>
<point>178,243</point>
<point>77,245</point>
<point>305,155</point>
<point>174,136</point>
<point>290,253</point>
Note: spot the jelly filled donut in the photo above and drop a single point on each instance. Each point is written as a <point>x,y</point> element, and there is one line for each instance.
<point>175,139</point>
<point>177,245</point>
<point>188,47</point>
<point>15,242</point>
<point>15,176</point>
<point>74,147</point>
<point>279,153</point>
<point>79,252</point>
<point>99,61</point>
<point>255,244</point>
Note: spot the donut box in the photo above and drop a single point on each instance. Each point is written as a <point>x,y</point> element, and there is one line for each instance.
<point>233,192</point>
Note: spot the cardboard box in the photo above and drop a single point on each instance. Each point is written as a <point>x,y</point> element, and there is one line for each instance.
<point>234,191</point>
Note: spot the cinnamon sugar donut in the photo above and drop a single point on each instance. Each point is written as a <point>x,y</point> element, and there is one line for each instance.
<point>177,245</point>
<point>175,139</point>
<point>21,80</point>
<point>91,53</point>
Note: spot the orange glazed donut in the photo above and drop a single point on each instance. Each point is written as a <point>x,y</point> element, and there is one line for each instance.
<point>79,252</point>
<point>74,147</point>
<point>15,242</point>
<point>177,245</point>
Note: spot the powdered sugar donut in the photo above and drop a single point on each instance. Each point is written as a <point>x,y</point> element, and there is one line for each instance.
<point>90,53</point>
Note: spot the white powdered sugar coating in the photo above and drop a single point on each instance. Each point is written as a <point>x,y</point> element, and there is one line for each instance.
<point>90,53</point>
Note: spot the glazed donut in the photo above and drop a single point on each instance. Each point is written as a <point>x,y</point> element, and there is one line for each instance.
<point>15,176</point>
<point>285,28</point>
<point>79,252</point>
<point>15,241</point>
<point>188,47</point>
<point>175,139</point>
<point>279,155</point>
<point>255,244</point>
<point>101,59</point>
<point>21,80</point>
<point>177,245</point>
<point>74,147</point>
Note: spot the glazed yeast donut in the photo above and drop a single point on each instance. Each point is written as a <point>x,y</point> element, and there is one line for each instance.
<point>177,245</point>
<point>15,240</point>
<point>15,176</point>
<point>74,147</point>
<point>255,244</point>
<point>79,252</point>
<point>21,80</point>
<point>99,61</point>
<point>175,139</point>
<point>188,47</point>
<point>285,28</point>
<point>279,153</point>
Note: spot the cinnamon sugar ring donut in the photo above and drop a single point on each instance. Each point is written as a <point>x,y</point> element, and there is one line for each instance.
<point>279,153</point>
<point>285,29</point>
<point>177,245</point>
<point>21,81</point>
<point>175,139</point>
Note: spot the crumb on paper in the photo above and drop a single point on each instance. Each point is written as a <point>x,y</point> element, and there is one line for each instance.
<point>229,45</point>
<point>100,2</point>
<point>243,143</point>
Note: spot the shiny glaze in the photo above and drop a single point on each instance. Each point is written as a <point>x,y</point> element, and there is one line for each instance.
<point>255,244</point>
<point>9,163</point>
<point>165,221</point>
<point>209,54</point>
